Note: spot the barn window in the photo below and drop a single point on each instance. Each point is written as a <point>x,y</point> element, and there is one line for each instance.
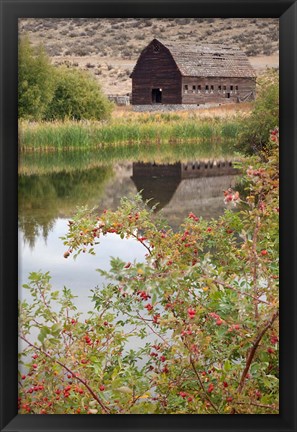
<point>156,48</point>
<point>231,88</point>
<point>206,88</point>
<point>236,88</point>
<point>211,89</point>
<point>186,88</point>
<point>224,88</point>
<point>219,88</point>
<point>194,88</point>
<point>199,88</point>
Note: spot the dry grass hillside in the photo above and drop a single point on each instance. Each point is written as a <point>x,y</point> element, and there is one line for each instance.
<point>109,48</point>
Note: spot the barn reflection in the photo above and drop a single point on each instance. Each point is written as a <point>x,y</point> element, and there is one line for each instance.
<point>184,185</point>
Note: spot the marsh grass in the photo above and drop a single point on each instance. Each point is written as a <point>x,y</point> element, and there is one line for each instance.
<point>146,129</point>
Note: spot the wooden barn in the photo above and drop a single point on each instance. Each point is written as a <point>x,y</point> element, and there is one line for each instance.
<point>189,74</point>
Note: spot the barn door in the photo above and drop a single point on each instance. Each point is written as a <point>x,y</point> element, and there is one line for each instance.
<point>156,95</point>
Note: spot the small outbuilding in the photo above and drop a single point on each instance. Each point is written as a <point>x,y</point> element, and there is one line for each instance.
<point>189,74</point>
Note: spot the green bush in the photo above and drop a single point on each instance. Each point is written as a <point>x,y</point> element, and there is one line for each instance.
<point>255,130</point>
<point>36,81</point>
<point>77,96</point>
<point>49,93</point>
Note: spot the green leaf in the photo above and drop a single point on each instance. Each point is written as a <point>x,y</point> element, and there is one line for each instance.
<point>124,389</point>
<point>56,328</point>
<point>227,366</point>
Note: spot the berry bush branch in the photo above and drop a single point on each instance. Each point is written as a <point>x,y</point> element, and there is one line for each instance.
<point>82,381</point>
<point>254,349</point>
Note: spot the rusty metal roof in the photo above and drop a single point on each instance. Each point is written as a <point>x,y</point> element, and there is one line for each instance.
<point>209,60</point>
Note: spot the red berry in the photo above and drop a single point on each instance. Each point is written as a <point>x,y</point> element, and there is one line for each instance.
<point>229,399</point>
<point>23,377</point>
<point>270,350</point>
<point>183,394</point>
<point>274,339</point>
<point>191,313</point>
<point>225,384</point>
<point>34,365</point>
<point>163,358</point>
<point>264,252</point>
<point>34,356</point>
<point>210,388</point>
<point>258,394</point>
<point>102,387</point>
<point>219,322</point>
<point>156,319</point>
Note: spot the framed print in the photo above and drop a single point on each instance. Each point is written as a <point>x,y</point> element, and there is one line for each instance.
<point>148,238</point>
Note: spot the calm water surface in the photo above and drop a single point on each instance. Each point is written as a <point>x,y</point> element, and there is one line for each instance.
<point>51,189</point>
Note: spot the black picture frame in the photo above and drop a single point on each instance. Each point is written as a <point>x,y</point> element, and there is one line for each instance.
<point>286,11</point>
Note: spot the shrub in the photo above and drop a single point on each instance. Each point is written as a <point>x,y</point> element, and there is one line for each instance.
<point>255,129</point>
<point>46,92</point>
<point>77,96</point>
<point>204,304</point>
<point>36,81</point>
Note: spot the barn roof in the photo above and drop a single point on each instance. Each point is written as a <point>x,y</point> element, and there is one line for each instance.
<point>209,60</point>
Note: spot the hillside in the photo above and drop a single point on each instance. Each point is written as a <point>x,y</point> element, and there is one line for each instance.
<point>109,48</point>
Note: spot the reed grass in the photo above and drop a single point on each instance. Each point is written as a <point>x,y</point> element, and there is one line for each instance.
<point>145,129</point>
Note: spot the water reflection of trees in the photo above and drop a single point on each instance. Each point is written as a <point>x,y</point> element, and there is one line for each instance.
<point>42,199</point>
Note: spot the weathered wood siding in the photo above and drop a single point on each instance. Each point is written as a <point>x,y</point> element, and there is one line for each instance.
<point>197,92</point>
<point>156,70</point>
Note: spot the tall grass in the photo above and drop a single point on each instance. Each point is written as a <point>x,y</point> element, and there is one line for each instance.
<point>148,129</point>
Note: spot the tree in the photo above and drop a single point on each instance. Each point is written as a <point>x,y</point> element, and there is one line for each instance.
<point>36,81</point>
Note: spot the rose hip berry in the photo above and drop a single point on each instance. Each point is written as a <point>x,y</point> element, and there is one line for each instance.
<point>210,388</point>
<point>191,313</point>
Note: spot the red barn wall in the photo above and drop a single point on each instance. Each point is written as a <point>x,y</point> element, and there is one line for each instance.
<point>156,70</point>
<point>214,94</point>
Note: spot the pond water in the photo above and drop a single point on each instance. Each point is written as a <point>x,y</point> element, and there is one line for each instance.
<point>51,187</point>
